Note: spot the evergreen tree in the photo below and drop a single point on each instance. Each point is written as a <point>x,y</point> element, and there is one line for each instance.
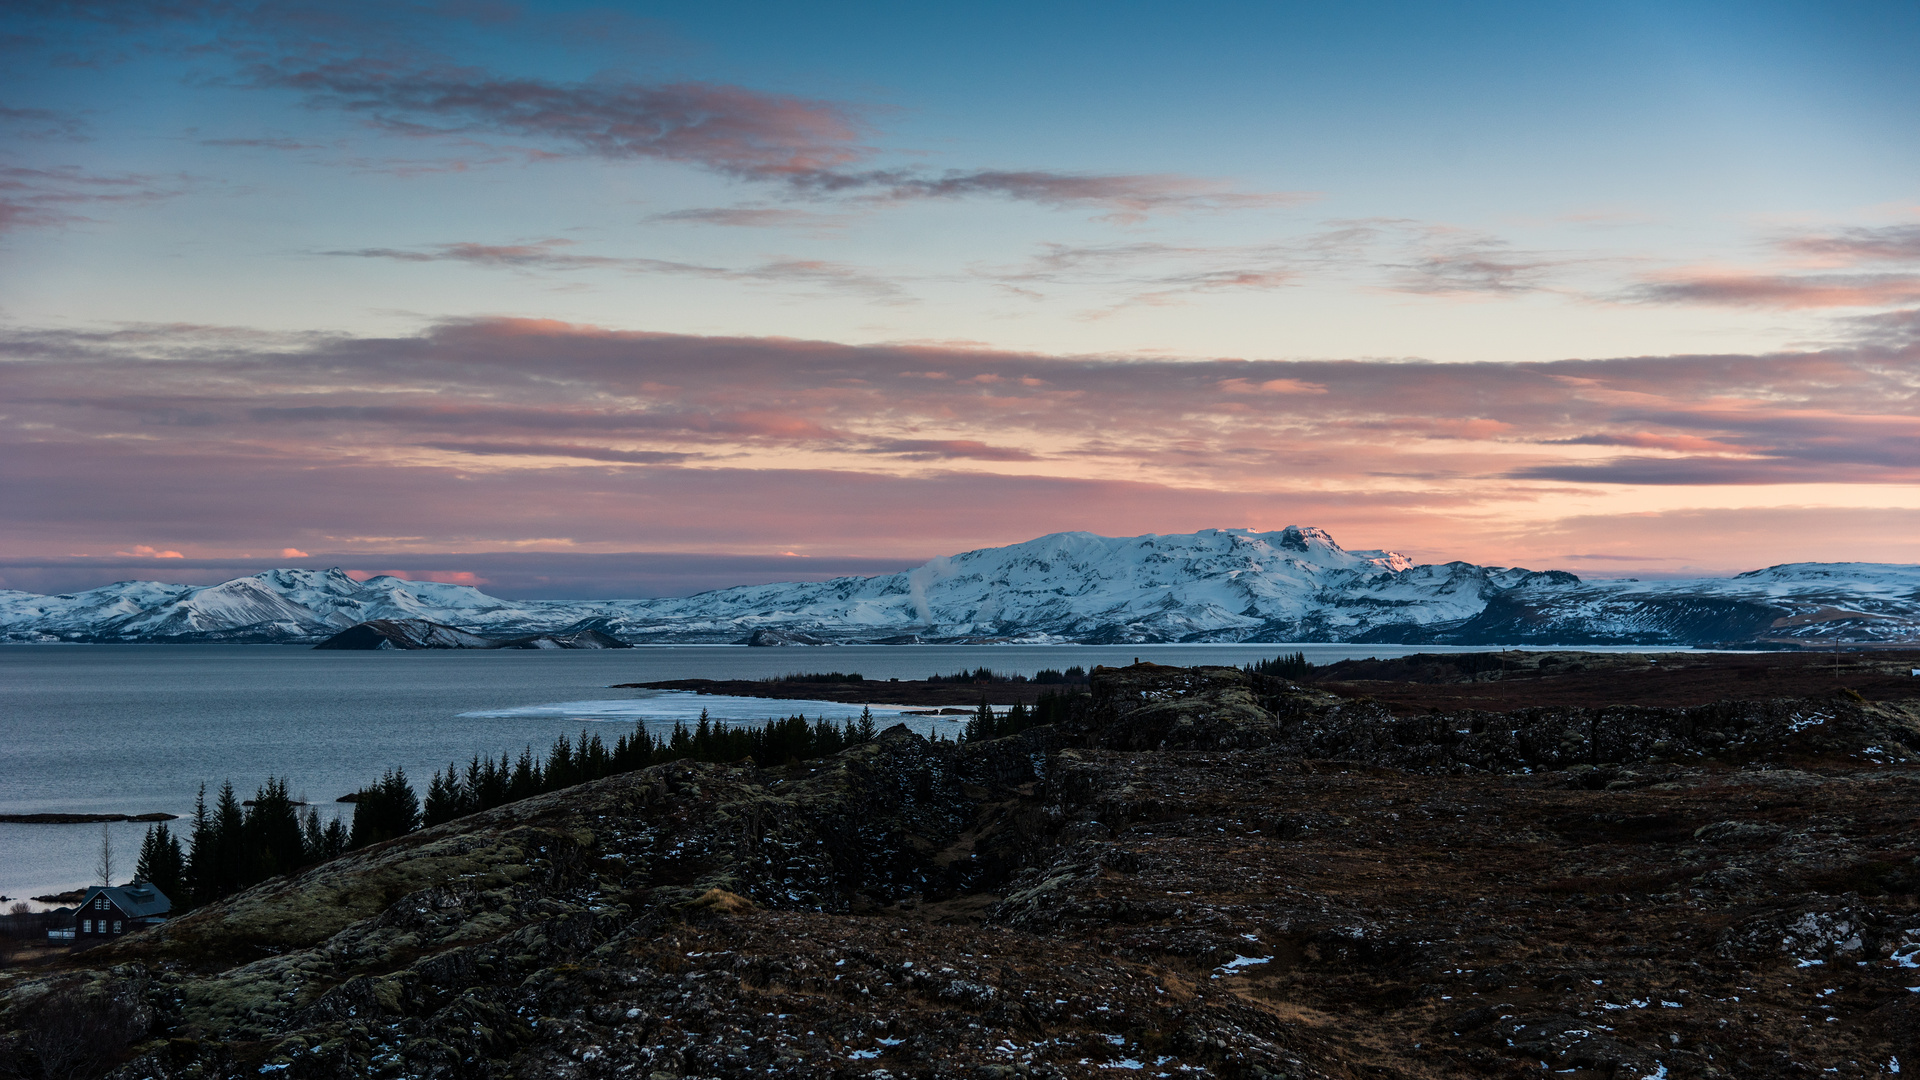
<point>143,864</point>
<point>273,843</point>
<point>336,838</point>
<point>703,738</point>
<point>163,863</point>
<point>445,798</point>
<point>200,886</point>
<point>1293,666</point>
<point>526,777</point>
<point>980,727</point>
<point>229,843</point>
<point>1016,721</point>
<point>496,782</point>
<point>384,810</point>
<point>559,770</point>
<point>868,730</point>
<point>313,838</point>
<point>826,739</point>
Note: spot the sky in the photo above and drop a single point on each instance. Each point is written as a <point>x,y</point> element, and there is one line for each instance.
<point>573,300</point>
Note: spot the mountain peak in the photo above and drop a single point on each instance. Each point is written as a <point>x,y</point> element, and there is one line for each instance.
<point>1292,584</point>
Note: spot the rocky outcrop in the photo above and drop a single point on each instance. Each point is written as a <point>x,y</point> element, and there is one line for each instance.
<point>1201,873</point>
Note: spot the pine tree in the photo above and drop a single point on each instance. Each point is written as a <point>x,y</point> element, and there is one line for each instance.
<point>526,777</point>
<point>229,842</point>
<point>444,794</point>
<point>143,865</point>
<point>1016,720</point>
<point>163,863</point>
<point>703,738</point>
<point>384,810</point>
<point>313,838</point>
<point>825,739</point>
<point>475,784</point>
<point>868,730</point>
<point>273,844</point>
<point>200,884</point>
<point>559,770</point>
<point>980,727</point>
<point>336,838</point>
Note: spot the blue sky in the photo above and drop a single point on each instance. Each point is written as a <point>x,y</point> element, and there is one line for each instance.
<point>1466,184</point>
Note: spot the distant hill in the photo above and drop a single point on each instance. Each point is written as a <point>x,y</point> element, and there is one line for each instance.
<point>1219,585</point>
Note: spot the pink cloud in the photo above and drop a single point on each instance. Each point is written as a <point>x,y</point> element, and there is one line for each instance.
<point>1781,290</point>
<point>672,441</point>
<point>1648,441</point>
<point>728,128</point>
<point>550,255</point>
<point>751,217</point>
<point>59,196</point>
<point>1124,197</point>
<point>1887,243</point>
<point>934,449</point>
<point>1270,386</point>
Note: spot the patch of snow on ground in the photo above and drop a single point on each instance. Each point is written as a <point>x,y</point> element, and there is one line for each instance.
<point>1239,962</point>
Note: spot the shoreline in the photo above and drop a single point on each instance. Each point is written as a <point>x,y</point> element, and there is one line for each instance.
<point>915,693</point>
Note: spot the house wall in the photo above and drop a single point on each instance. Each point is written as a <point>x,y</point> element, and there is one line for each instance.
<point>100,917</point>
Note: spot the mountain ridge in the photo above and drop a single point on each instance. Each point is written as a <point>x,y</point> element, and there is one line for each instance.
<point>1218,585</point>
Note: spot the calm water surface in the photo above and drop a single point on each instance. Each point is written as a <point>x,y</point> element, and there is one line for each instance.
<point>137,728</point>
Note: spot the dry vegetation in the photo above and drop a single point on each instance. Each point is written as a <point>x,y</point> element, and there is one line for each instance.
<point>1201,873</point>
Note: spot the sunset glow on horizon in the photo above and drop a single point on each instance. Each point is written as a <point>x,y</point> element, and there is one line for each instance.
<point>505,294</point>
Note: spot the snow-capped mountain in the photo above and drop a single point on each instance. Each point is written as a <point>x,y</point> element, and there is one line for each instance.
<point>279,605</point>
<point>1293,585</point>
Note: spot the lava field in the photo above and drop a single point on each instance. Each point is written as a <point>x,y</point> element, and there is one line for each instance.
<point>1203,873</point>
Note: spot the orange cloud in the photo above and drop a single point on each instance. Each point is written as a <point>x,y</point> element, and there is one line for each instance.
<point>142,551</point>
<point>655,439</point>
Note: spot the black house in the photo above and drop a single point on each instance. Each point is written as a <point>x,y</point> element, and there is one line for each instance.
<point>110,910</point>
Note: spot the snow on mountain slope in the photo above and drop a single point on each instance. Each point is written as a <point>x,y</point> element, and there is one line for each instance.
<point>278,605</point>
<point>1217,585</point>
<point>1295,584</point>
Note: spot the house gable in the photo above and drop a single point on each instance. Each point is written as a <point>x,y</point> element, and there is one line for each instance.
<point>109,910</point>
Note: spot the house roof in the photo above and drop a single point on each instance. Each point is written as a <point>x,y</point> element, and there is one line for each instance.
<point>137,899</point>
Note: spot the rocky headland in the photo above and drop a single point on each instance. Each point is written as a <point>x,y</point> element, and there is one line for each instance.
<point>1201,872</point>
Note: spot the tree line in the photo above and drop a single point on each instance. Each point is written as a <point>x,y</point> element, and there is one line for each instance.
<point>1293,666</point>
<point>986,724</point>
<point>484,784</point>
<point>1045,676</point>
<point>231,845</point>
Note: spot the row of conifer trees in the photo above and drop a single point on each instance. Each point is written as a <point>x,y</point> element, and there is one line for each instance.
<point>484,784</point>
<point>233,845</point>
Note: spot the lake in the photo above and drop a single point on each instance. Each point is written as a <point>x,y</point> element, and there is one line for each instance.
<point>137,728</point>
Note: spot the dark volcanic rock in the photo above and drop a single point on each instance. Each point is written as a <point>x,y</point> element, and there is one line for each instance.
<point>405,634</point>
<point>1202,873</point>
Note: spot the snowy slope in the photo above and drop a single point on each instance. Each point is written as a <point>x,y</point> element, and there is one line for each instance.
<point>1220,584</point>
<point>279,605</point>
<point>1296,584</point>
